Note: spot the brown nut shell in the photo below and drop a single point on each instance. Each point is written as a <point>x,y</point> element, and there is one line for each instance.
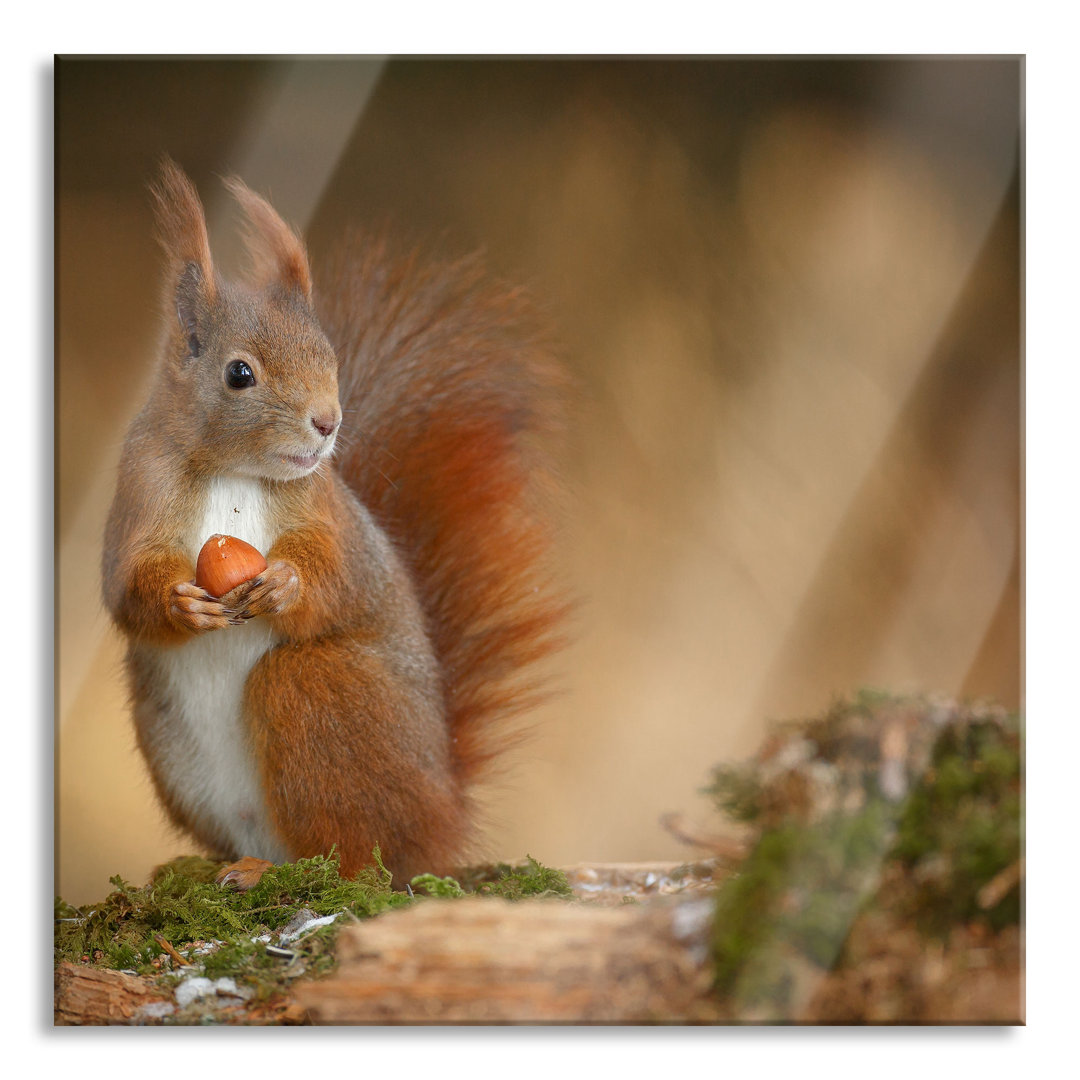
<point>225,562</point>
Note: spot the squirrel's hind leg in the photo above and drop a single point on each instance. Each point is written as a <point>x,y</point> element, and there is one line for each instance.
<point>353,753</point>
<point>244,874</point>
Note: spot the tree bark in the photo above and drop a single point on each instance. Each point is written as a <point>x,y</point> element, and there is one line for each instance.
<point>87,995</point>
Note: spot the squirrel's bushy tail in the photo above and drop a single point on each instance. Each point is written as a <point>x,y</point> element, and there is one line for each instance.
<point>452,401</point>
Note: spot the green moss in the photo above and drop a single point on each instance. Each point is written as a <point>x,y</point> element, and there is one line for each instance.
<point>183,906</point>
<point>317,885</point>
<point>797,893</point>
<point>63,910</point>
<point>736,792</point>
<point>528,879</point>
<point>829,845</point>
<point>961,827</point>
<point>869,699</point>
<point>445,887</point>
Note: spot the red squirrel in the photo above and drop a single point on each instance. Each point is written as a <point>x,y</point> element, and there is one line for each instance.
<point>383,437</point>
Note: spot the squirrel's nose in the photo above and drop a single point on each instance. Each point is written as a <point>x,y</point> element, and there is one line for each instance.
<point>325,425</point>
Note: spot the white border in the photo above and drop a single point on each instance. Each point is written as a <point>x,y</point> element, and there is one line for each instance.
<point>563,28</point>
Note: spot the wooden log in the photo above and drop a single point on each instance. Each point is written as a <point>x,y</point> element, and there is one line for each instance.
<point>87,995</point>
<point>487,961</point>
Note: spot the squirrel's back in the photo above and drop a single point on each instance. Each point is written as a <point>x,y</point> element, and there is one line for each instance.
<point>452,403</point>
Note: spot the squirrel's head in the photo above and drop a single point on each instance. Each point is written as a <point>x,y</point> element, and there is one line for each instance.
<point>246,362</point>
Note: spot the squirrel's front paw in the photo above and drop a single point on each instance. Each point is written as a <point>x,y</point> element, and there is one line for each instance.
<point>195,609</point>
<point>273,592</point>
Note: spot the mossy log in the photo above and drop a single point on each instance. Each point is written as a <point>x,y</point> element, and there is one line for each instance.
<point>486,961</point>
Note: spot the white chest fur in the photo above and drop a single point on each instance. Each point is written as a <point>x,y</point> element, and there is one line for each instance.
<point>236,506</point>
<point>215,775</point>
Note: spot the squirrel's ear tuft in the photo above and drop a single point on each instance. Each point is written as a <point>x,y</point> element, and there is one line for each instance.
<point>277,252</point>
<point>181,230</point>
<point>181,225</point>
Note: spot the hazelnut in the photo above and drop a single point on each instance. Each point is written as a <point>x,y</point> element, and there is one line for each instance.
<point>225,562</point>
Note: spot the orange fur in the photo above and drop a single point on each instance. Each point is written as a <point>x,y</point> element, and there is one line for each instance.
<point>181,225</point>
<point>277,253</point>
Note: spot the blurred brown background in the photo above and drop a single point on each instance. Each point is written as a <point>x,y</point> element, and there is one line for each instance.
<point>791,292</point>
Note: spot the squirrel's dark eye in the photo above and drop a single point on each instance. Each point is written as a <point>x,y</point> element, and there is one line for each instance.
<point>238,375</point>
